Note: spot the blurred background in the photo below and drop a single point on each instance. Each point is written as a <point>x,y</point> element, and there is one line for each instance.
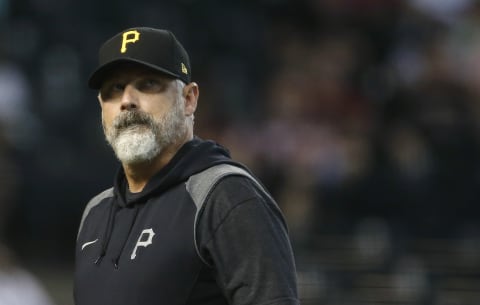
<point>361,116</point>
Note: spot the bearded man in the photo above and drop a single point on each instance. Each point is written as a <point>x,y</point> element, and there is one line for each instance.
<point>183,223</point>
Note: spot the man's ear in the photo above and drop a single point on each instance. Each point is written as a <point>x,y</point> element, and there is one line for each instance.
<point>191,93</point>
<point>99,98</point>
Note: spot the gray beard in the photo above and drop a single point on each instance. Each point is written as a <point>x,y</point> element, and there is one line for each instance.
<point>136,145</point>
<point>136,137</point>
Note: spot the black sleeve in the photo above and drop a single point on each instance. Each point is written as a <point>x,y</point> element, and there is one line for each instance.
<point>242,234</point>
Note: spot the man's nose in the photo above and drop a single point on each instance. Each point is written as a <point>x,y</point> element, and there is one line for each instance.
<point>129,98</point>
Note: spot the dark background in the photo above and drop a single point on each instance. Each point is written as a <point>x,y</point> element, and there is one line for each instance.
<point>361,116</point>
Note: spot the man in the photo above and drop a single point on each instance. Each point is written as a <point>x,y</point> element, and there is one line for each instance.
<point>183,223</point>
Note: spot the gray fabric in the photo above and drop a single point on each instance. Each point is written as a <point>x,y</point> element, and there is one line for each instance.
<point>93,202</point>
<point>200,185</point>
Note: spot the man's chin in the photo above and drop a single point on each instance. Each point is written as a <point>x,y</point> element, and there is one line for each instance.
<point>135,158</point>
<point>133,147</point>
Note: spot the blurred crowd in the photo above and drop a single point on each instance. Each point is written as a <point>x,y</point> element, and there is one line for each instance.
<point>361,116</point>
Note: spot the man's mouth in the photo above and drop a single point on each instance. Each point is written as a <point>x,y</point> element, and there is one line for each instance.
<point>131,125</point>
<point>132,121</point>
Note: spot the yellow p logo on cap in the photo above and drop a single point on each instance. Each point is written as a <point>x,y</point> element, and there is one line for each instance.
<point>129,37</point>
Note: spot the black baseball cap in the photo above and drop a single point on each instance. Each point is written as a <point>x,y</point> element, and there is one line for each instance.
<point>154,48</point>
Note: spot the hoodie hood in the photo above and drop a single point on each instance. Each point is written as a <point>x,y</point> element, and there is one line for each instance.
<point>193,157</point>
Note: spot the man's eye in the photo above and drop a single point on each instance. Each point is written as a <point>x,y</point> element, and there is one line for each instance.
<point>150,84</point>
<point>109,91</point>
<point>117,87</point>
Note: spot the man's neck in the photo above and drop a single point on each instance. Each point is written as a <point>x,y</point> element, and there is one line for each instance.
<point>139,174</point>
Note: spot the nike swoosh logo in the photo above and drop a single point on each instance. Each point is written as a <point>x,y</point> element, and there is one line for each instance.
<point>89,243</point>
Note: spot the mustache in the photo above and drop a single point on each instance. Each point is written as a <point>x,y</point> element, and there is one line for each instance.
<point>132,118</point>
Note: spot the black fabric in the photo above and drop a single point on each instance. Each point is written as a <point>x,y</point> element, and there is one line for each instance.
<point>139,248</point>
<point>164,271</point>
<point>244,235</point>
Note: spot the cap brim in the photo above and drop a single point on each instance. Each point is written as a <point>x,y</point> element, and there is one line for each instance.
<point>98,76</point>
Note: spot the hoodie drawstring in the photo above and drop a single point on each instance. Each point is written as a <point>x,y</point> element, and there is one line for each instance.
<point>108,232</point>
<point>135,214</point>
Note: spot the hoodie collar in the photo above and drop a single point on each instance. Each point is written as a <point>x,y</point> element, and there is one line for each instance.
<point>193,157</point>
